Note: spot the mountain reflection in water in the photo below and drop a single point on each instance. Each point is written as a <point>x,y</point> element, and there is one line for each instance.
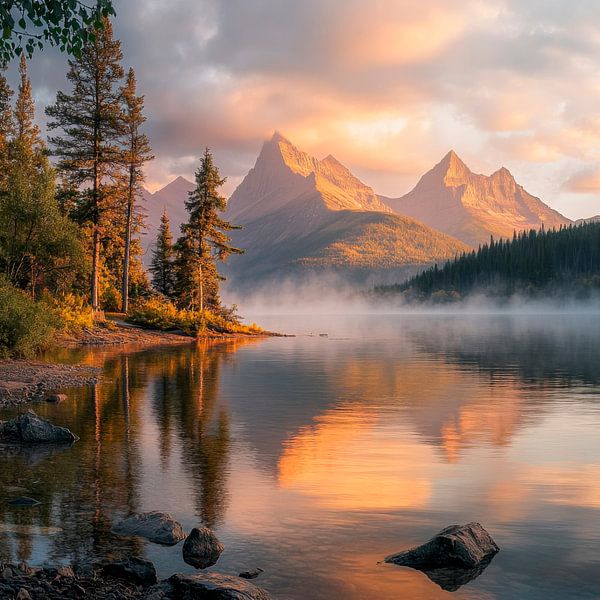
<point>313,458</point>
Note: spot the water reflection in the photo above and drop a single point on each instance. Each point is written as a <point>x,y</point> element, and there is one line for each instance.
<point>316,457</point>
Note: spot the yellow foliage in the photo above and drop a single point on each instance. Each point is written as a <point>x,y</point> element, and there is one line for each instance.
<point>73,312</point>
<point>159,313</point>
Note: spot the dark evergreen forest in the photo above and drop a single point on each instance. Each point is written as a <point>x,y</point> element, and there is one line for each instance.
<point>532,263</point>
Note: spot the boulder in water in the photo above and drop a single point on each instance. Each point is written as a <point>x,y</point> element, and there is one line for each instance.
<point>202,548</point>
<point>56,398</point>
<point>28,428</point>
<point>155,526</point>
<point>251,573</point>
<point>453,557</point>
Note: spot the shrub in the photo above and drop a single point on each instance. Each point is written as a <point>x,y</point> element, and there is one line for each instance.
<point>159,313</point>
<point>73,313</point>
<point>111,299</point>
<point>26,327</point>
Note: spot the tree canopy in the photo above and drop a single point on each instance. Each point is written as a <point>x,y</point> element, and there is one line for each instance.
<point>28,25</point>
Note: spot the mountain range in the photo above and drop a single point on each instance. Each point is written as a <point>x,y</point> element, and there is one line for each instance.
<point>302,215</point>
<point>473,207</point>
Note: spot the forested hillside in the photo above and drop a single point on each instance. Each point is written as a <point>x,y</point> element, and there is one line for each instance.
<point>532,263</point>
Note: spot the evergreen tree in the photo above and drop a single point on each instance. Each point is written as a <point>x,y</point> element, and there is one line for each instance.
<point>38,245</point>
<point>533,262</point>
<point>6,125</point>
<point>203,241</point>
<point>137,153</point>
<point>26,129</point>
<point>88,148</point>
<point>162,267</point>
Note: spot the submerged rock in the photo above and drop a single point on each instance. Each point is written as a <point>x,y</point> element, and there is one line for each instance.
<point>24,501</point>
<point>202,548</point>
<point>251,573</point>
<point>155,526</point>
<point>453,557</point>
<point>136,570</point>
<point>28,428</point>
<point>213,585</point>
<point>56,398</point>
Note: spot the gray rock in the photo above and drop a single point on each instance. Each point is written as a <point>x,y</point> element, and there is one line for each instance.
<point>155,526</point>
<point>202,548</point>
<point>214,586</point>
<point>28,428</point>
<point>453,557</point>
<point>251,573</point>
<point>136,570</point>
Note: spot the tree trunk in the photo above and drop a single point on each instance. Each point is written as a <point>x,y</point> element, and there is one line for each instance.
<point>201,289</point>
<point>95,265</point>
<point>128,220</point>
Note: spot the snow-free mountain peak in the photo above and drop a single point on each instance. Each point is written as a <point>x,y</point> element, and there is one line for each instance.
<point>283,173</point>
<point>472,207</point>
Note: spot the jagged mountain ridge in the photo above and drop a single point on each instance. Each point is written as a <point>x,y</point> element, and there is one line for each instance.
<point>299,213</point>
<point>473,207</point>
<point>283,173</point>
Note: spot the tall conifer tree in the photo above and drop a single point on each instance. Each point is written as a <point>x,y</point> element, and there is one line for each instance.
<point>91,124</point>
<point>6,125</point>
<point>162,267</point>
<point>26,129</point>
<point>203,241</point>
<point>37,243</point>
<point>137,153</point>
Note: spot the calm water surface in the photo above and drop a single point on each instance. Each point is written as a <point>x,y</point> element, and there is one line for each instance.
<point>314,457</point>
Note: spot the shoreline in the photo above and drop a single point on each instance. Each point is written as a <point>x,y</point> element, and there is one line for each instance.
<point>32,380</point>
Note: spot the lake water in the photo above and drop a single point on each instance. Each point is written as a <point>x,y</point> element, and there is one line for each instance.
<point>314,457</point>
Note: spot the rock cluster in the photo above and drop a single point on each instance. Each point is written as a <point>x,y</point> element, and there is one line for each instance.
<point>130,578</point>
<point>25,583</point>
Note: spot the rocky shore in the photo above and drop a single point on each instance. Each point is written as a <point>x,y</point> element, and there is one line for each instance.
<point>30,381</point>
<point>103,582</point>
<point>21,582</point>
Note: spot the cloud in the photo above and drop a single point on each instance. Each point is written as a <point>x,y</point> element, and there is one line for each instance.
<point>585,181</point>
<point>388,89</point>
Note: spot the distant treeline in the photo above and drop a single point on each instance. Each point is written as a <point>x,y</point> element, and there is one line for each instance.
<point>532,263</point>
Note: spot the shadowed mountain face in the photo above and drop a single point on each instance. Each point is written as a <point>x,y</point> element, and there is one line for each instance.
<point>302,215</point>
<point>472,207</point>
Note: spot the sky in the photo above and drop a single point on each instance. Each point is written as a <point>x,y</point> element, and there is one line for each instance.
<point>386,86</point>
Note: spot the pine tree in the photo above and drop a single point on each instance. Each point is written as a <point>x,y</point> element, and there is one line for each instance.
<point>26,129</point>
<point>92,126</point>
<point>37,243</point>
<point>203,241</point>
<point>6,125</point>
<point>162,267</point>
<point>137,153</point>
